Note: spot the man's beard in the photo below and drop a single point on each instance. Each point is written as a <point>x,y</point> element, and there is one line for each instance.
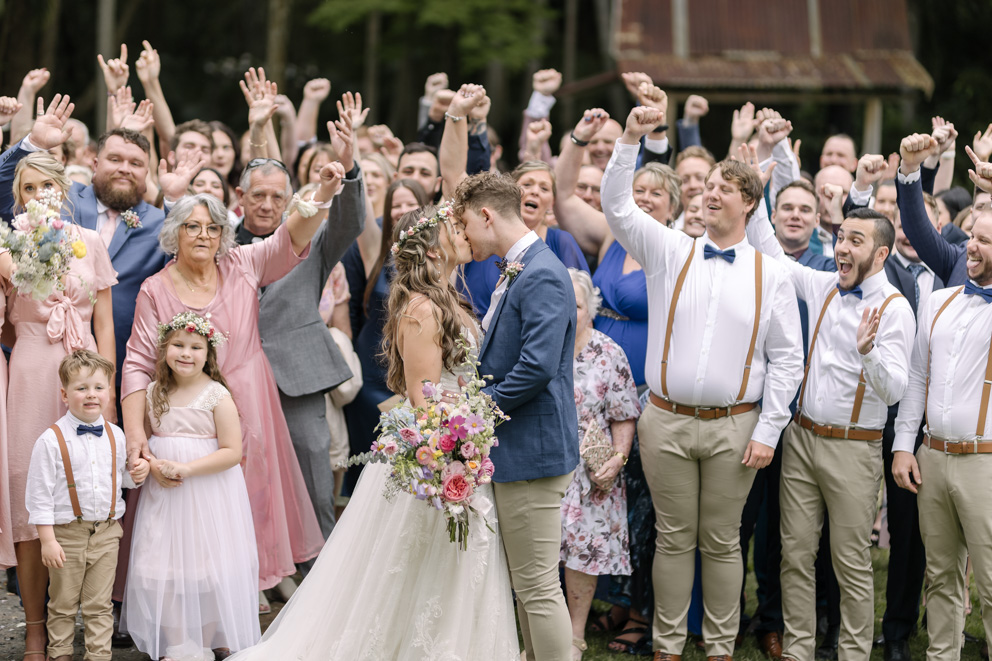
<point>862,268</point>
<point>116,198</point>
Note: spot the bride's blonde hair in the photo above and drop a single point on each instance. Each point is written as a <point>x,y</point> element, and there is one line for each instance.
<point>417,273</point>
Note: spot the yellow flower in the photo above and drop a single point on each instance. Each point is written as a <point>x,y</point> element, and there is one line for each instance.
<point>79,249</point>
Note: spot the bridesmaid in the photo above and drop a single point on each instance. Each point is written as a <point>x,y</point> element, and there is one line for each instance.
<point>46,331</point>
<point>7,558</point>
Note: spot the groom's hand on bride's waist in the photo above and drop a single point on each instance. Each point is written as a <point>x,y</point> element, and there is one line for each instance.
<point>452,397</point>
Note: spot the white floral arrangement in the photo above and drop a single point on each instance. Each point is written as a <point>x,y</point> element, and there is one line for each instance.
<point>191,322</point>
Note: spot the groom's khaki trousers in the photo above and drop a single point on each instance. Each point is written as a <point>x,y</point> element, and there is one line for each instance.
<point>699,486</point>
<point>530,524</point>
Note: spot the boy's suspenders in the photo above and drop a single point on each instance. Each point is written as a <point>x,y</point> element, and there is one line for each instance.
<point>73,497</point>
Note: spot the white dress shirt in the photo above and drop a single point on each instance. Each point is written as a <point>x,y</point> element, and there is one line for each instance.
<point>715,312</point>
<point>47,492</point>
<point>102,217</point>
<point>958,352</point>
<point>836,363</point>
<point>514,254</point>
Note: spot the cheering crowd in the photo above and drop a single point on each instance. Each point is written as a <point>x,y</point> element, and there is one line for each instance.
<point>759,353</point>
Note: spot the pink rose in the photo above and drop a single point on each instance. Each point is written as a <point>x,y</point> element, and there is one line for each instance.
<point>389,448</point>
<point>468,450</point>
<point>57,224</point>
<point>447,443</point>
<point>424,455</point>
<point>456,489</point>
<point>454,468</point>
<point>411,436</point>
<point>487,467</point>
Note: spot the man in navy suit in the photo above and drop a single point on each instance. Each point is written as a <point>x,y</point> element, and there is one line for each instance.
<point>528,350</point>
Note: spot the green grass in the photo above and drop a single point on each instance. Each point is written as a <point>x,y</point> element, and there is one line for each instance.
<point>749,651</point>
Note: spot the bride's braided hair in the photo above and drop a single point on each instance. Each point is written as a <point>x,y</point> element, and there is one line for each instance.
<point>417,273</point>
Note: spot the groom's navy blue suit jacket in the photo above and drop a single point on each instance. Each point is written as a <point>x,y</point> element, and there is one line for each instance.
<point>528,350</point>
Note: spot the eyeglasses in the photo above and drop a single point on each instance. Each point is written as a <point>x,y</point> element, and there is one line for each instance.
<point>194,230</point>
<point>259,162</point>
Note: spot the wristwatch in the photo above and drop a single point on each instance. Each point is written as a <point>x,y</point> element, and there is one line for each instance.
<point>622,456</point>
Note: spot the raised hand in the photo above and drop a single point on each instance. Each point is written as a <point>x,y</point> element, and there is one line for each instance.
<point>944,133</point>
<point>546,81</point>
<point>867,330</point>
<point>794,146</point>
<point>592,121</point>
<point>640,122</point>
<point>141,119</point>
<point>538,133</point>
<point>871,169</point>
<point>285,109</point>
<point>773,130</point>
<point>260,94</point>
<point>175,184</point>
<point>351,105</point>
<point>748,155</point>
<point>342,140</point>
<point>481,111</point>
<point>767,113</point>
<point>148,65</point>
<point>34,81</point>
<point>120,106</point>
<point>833,198</point>
<point>696,106</point>
<point>467,98</point>
<point>981,174</point>
<point>439,105</point>
<point>982,144</point>
<point>633,79</point>
<point>742,125</point>
<point>115,71</point>
<point>914,149</point>
<point>49,129</point>
<point>317,90</point>
<point>891,167</point>
<point>331,176</point>
<point>652,96</point>
<point>434,84</point>
<point>8,108</point>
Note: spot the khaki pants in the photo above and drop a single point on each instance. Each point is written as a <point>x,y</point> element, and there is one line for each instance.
<point>842,477</point>
<point>530,524</point>
<point>955,520</point>
<point>84,582</point>
<point>699,487</point>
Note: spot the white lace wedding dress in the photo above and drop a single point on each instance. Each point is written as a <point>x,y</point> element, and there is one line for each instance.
<point>389,584</point>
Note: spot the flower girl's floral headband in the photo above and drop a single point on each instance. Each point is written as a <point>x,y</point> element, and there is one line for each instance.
<point>191,322</point>
<point>444,213</point>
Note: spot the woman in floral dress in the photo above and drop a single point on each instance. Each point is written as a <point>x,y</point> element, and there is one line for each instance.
<point>594,510</point>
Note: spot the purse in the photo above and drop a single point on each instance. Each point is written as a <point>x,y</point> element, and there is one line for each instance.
<point>596,449</point>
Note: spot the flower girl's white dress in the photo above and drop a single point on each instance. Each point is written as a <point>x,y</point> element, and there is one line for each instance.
<point>390,585</point>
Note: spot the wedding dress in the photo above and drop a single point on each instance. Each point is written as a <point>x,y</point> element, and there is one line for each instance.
<point>389,584</point>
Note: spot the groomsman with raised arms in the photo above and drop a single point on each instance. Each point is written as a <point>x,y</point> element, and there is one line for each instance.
<point>860,337</point>
<point>950,382</point>
<point>723,333</point>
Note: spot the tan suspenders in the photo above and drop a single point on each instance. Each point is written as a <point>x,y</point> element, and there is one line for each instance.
<point>860,394</point>
<point>73,497</point>
<point>671,321</point>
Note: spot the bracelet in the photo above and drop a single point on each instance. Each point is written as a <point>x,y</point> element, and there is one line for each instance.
<point>453,118</point>
<point>576,141</point>
<point>326,204</point>
<point>622,456</point>
<point>265,142</point>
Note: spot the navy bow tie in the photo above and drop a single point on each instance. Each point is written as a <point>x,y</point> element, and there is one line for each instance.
<point>728,254</point>
<point>975,290</point>
<point>856,291</point>
<point>96,430</point>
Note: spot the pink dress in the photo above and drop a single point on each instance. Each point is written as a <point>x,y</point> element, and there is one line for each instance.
<point>7,558</point>
<point>286,529</point>
<point>47,331</point>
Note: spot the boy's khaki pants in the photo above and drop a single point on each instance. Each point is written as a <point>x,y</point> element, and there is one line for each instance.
<point>85,581</point>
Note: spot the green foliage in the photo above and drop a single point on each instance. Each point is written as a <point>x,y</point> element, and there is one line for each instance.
<point>483,30</point>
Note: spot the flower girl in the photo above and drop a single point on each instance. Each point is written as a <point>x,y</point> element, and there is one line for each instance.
<point>193,575</point>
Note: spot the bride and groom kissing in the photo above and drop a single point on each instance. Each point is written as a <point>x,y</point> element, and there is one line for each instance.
<point>389,584</point>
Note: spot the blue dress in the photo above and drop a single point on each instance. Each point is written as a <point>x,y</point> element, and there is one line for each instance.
<point>627,295</point>
<point>481,277</point>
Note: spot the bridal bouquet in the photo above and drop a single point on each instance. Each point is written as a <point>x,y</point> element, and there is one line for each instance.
<point>441,455</point>
<point>40,247</point>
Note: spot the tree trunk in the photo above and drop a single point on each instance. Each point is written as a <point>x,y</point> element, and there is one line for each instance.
<point>370,82</point>
<point>277,41</point>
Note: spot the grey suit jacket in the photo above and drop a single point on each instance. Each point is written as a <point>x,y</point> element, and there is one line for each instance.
<point>299,347</point>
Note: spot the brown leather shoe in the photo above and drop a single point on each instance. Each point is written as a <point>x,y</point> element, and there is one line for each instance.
<point>771,645</point>
<point>665,656</point>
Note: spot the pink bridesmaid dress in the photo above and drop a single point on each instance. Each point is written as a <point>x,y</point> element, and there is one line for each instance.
<point>47,331</point>
<point>7,558</point>
<point>286,529</point>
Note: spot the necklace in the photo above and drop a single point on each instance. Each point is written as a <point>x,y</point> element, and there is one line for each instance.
<point>189,284</point>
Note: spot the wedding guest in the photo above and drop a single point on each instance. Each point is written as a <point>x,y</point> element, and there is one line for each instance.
<point>377,173</point>
<point>702,437</point>
<point>594,509</point>
<point>212,275</point>
<point>226,156</point>
<point>80,316</point>
<point>7,557</point>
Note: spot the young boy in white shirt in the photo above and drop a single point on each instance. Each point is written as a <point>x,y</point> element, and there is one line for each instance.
<point>73,496</point>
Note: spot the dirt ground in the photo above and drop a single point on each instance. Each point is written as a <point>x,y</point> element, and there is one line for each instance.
<point>12,630</point>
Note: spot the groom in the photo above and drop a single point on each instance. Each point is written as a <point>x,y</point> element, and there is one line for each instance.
<point>528,347</point>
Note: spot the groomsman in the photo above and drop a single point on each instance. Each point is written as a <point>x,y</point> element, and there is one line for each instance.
<point>723,329</point>
<point>858,362</point>
<point>950,380</point>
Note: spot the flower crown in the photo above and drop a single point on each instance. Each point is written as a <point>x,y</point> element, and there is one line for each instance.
<point>444,212</point>
<point>191,322</point>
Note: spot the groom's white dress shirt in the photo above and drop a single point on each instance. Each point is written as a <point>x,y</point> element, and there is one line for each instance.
<point>715,312</point>
<point>514,254</point>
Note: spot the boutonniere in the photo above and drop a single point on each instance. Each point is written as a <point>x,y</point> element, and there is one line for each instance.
<point>510,270</point>
<point>131,219</point>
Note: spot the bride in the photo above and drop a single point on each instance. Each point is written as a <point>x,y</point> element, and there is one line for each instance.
<point>389,584</point>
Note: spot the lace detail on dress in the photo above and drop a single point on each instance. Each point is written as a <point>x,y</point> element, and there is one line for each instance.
<point>209,397</point>
<point>427,621</point>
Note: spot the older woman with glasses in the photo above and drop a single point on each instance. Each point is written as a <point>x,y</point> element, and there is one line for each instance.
<point>220,280</point>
